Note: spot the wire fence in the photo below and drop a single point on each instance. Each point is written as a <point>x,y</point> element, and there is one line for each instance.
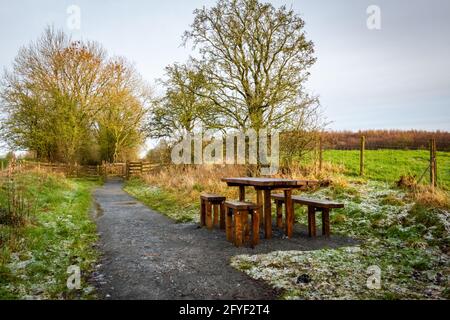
<point>426,165</point>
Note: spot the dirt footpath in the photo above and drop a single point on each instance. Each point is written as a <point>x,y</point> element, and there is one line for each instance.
<point>148,256</point>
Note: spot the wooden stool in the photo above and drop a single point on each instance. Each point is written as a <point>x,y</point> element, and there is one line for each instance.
<point>209,203</point>
<point>240,228</point>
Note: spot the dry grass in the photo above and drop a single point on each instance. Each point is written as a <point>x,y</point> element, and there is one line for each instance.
<point>193,180</point>
<point>431,197</point>
<point>189,181</point>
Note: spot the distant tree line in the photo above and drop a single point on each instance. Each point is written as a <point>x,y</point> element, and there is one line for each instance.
<point>386,139</point>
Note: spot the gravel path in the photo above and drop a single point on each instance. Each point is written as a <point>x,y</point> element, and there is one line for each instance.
<point>148,256</point>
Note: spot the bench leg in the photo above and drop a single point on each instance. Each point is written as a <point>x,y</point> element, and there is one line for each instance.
<point>255,228</point>
<point>229,224</point>
<point>216,215</point>
<point>238,228</point>
<point>222,216</point>
<point>311,221</point>
<point>326,222</point>
<point>279,214</point>
<point>202,213</point>
<point>209,222</point>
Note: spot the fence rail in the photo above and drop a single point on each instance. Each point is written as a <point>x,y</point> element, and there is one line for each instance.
<point>123,170</point>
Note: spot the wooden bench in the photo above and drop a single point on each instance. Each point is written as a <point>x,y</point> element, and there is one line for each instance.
<point>237,231</point>
<point>210,202</point>
<point>314,205</point>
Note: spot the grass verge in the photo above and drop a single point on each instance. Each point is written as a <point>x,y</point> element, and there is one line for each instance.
<point>60,233</point>
<point>180,209</point>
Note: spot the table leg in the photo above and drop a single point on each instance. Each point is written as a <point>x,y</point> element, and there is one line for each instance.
<point>311,221</point>
<point>289,207</point>
<point>267,215</point>
<point>241,193</point>
<point>259,202</point>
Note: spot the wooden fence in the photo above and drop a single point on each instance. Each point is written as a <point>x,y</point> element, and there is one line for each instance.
<point>122,170</point>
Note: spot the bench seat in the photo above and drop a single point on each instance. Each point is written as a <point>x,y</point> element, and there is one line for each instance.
<point>318,203</point>
<point>240,205</point>
<point>212,197</point>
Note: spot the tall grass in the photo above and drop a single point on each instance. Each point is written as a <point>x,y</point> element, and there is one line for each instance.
<point>190,182</point>
<point>16,201</point>
<point>3,163</point>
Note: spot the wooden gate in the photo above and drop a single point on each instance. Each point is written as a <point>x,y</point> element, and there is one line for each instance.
<point>114,169</point>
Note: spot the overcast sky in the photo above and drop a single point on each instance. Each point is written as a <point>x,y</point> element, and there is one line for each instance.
<point>395,77</point>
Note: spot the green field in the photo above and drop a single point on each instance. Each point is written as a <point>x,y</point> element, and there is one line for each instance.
<point>390,165</point>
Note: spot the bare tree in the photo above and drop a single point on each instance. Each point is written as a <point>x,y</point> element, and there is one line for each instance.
<point>256,59</point>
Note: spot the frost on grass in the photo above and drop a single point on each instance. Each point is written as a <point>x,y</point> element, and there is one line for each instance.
<point>61,235</point>
<point>410,247</point>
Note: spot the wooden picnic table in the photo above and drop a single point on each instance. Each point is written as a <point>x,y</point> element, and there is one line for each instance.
<point>264,187</point>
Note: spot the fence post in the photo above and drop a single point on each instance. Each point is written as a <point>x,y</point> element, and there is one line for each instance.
<point>433,163</point>
<point>361,155</point>
<point>320,154</point>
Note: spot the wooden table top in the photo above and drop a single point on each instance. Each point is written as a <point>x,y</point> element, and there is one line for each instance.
<point>269,182</point>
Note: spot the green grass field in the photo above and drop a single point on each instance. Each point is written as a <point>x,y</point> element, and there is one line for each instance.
<point>390,165</point>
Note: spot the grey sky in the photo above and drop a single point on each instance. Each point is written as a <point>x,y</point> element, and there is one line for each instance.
<point>396,77</point>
